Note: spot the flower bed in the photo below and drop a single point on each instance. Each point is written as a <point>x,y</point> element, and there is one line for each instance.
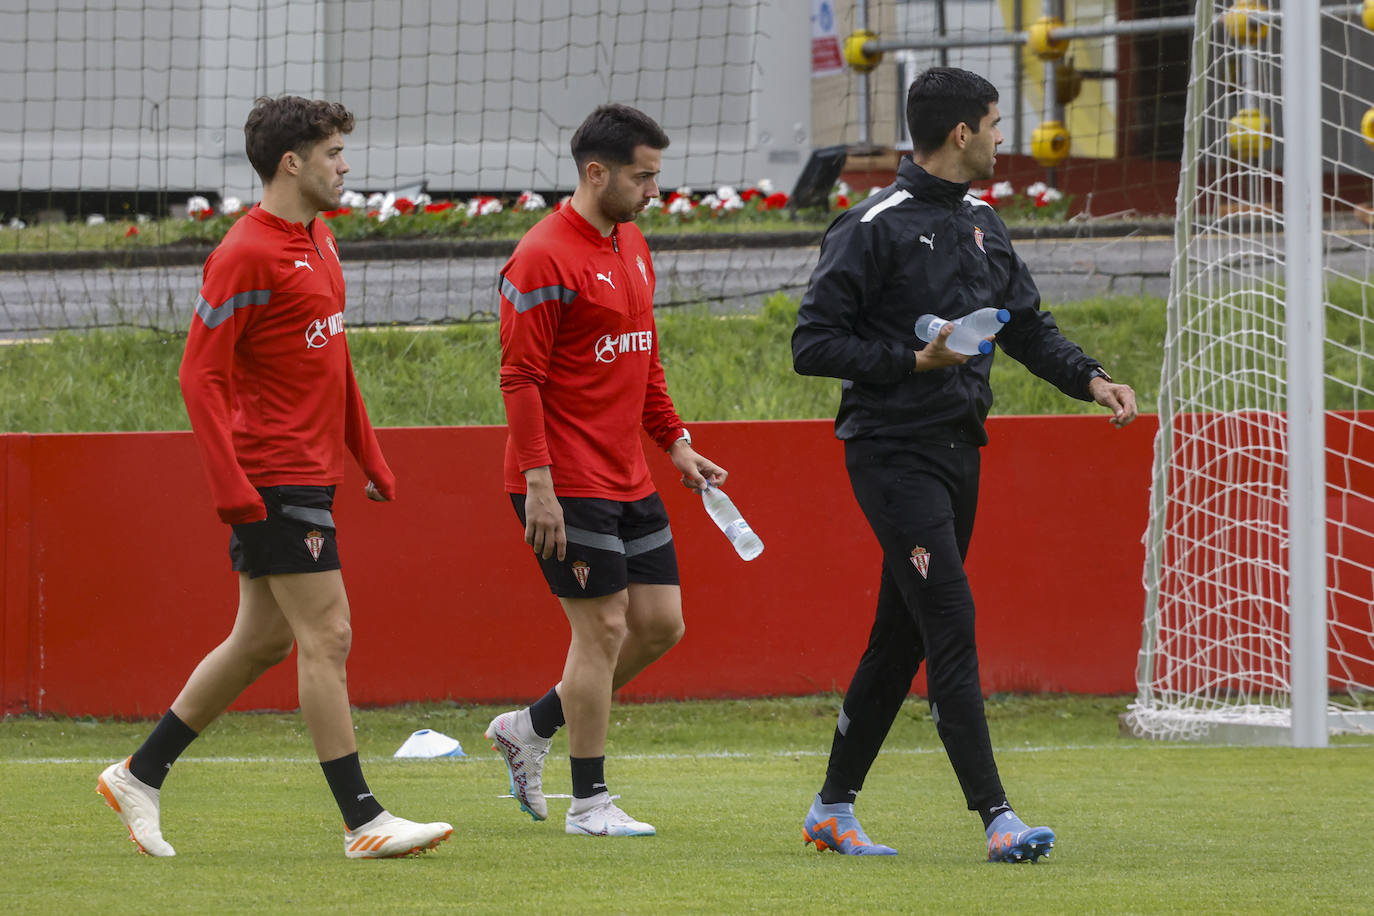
<point>758,208</point>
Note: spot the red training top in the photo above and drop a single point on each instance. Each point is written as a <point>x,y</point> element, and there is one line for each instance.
<point>579,359</point>
<point>266,376</point>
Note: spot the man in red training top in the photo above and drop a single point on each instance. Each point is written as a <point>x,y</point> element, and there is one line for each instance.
<point>580,376</point>
<point>270,391</point>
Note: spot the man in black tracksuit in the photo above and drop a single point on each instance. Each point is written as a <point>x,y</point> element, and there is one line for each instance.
<point>911,417</point>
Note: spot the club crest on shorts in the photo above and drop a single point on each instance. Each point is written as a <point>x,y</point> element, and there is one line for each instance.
<point>978,239</point>
<point>920,558</point>
<point>643,271</point>
<point>314,542</point>
<point>581,570</point>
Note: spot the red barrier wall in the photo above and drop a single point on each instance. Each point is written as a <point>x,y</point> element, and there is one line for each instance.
<point>116,579</point>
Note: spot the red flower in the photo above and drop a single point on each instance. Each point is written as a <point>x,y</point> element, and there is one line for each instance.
<point>133,230</point>
<point>342,211</point>
<point>775,201</point>
<point>749,194</point>
<point>842,201</point>
<point>405,206</point>
<point>440,207</point>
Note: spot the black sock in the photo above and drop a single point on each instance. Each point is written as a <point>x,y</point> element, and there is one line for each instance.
<point>991,811</point>
<point>546,714</point>
<point>354,798</point>
<point>169,738</point>
<point>588,776</point>
<point>832,793</point>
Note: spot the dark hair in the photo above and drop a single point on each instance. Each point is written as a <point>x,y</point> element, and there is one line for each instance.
<point>940,99</point>
<point>289,123</point>
<point>611,133</point>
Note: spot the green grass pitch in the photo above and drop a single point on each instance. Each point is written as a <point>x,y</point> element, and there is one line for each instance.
<point>1143,827</point>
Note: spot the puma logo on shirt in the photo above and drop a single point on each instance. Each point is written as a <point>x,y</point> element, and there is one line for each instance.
<point>606,277</point>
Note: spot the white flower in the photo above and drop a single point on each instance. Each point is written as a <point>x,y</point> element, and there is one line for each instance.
<point>873,190</point>
<point>1050,195</point>
<point>528,200</point>
<point>352,200</point>
<point>655,203</point>
<point>376,200</point>
<point>765,186</point>
<point>1036,189</point>
<point>685,191</point>
<point>230,205</point>
<point>196,204</point>
<point>422,200</point>
<point>483,206</point>
<point>386,207</point>
<point>1002,189</point>
<point>712,201</point>
<point>725,192</point>
<point>842,187</point>
<point>17,223</point>
<point>680,205</point>
<point>95,219</point>
<point>732,203</point>
<point>143,218</point>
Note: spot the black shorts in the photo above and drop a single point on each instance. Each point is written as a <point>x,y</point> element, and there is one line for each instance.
<point>610,545</point>
<point>297,536</point>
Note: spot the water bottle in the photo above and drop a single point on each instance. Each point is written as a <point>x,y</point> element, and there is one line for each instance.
<point>969,331</point>
<point>961,340</point>
<point>727,519</point>
<point>985,322</point>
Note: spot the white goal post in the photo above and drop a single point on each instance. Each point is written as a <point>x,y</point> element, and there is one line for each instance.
<point>1259,575</point>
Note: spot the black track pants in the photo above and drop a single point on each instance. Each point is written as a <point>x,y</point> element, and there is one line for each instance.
<point>920,501</point>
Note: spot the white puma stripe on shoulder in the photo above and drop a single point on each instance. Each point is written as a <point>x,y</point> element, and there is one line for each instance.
<point>890,202</point>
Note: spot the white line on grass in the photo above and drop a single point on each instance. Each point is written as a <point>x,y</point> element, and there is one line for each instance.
<point>707,755</point>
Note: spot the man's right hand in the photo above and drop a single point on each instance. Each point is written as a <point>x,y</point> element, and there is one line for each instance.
<point>936,355</point>
<point>543,515</point>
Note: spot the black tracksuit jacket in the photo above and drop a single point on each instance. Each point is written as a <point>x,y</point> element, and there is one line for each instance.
<point>922,245</point>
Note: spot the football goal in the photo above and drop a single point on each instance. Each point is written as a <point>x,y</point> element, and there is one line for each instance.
<point>1259,618</point>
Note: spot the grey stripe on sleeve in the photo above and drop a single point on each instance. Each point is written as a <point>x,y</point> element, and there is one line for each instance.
<point>648,542</point>
<point>216,315</point>
<point>523,302</point>
<point>321,517</point>
<point>594,539</point>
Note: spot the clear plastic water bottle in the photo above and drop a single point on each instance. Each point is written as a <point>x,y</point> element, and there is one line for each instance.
<point>984,322</point>
<point>962,340</point>
<point>728,519</point>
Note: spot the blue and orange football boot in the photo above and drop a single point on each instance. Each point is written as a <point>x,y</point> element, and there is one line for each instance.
<point>1010,840</point>
<point>835,827</point>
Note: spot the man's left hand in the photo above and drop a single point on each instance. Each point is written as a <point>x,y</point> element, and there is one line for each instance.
<point>1117,398</point>
<point>696,469</point>
<point>374,494</point>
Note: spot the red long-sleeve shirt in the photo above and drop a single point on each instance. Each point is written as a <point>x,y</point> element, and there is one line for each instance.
<point>579,359</point>
<point>266,376</point>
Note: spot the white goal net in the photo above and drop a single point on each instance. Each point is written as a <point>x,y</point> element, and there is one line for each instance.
<point>1225,532</point>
